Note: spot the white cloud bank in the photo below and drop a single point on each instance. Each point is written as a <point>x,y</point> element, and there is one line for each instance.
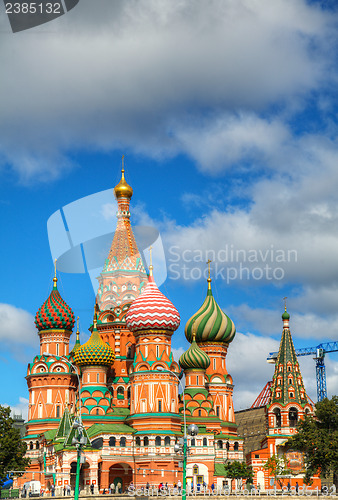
<point>160,77</point>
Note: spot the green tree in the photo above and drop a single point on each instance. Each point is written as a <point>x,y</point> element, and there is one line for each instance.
<point>318,439</point>
<point>238,470</point>
<point>278,468</point>
<point>12,449</point>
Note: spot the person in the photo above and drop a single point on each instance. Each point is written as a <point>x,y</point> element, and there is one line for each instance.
<point>297,487</point>
<point>289,486</point>
<point>104,491</point>
<point>68,490</point>
<point>92,489</point>
<point>53,490</point>
<point>147,487</point>
<point>212,487</point>
<point>119,488</point>
<point>179,486</point>
<point>64,491</point>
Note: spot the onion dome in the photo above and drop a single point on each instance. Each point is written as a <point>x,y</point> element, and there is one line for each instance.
<point>194,357</point>
<point>122,189</point>
<point>285,318</point>
<point>152,310</point>
<point>210,322</point>
<point>285,314</point>
<point>54,312</point>
<point>94,351</point>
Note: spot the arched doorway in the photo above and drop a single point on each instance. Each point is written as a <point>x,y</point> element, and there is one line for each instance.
<point>120,474</point>
<point>84,475</point>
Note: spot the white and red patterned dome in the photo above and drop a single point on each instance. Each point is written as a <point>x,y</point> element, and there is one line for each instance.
<point>152,310</point>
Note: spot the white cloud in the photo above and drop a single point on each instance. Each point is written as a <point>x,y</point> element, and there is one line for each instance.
<point>137,74</point>
<point>246,363</point>
<point>17,326</point>
<point>21,408</point>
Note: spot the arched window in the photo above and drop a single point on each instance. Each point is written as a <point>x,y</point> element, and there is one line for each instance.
<point>236,446</point>
<point>129,352</point>
<point>37,445</point>
<point>31,445</point>
<point>220,444</point>
<point>146,441</point>
<point>278,418</point>
<point>112,441</point>
<point>293,417</point>
<point>205,442</point>
<point>157,441</point>
<point>128,393</point>
<point>123,442</point>
<point>193,442</point>
<point>120,393</point>
<point>228,446</point>
<point>167,441</point>
<point>138,441</point>
<point>199,413</point>
<point>58,412</point>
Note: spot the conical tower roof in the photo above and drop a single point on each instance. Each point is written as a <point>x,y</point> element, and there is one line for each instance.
<point>94,351</point>
<point>54,312</point>
<point>210,322</point>
<point>123,276</point>
<point>287,384</point>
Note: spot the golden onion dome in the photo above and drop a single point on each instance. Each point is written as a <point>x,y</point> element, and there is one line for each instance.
<point>122,189</point>
<point>95,351</point>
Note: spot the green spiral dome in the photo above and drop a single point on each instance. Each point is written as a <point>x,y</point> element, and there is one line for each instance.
<point>94,351</point>
<point>210,323</point>
<point>194,357</point>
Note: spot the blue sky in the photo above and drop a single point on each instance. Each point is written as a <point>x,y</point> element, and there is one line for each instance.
<point>226,112</point>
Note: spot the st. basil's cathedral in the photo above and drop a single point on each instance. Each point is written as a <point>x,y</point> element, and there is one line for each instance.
<point>128,381</point>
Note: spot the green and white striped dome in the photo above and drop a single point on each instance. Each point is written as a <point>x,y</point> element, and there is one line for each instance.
<point>210,322</point>
<point>194,358</point>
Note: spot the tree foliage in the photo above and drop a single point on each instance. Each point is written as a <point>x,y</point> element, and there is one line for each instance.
<point>12,449</point>
<point>318,439</point>
<point>238,470</point>
<point>279,469</point>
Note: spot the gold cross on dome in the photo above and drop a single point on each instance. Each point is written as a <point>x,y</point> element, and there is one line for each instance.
<point>208,264</point>
<point>284,298</point>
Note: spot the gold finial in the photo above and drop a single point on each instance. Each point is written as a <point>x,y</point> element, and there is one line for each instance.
<point>77,330</point>
<point>122,189</point>
<point>209,279</point>
<point>96,310</point>
<point>55,278</point>
<point>284,298</point>
<point>193,332</point>
<point>151,267</point>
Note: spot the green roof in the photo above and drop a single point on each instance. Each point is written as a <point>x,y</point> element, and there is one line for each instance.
<point>49,435</point>
<point>158,432</point>
<point>96,429</point>
<point>32,436</point>
<point>220,470</point>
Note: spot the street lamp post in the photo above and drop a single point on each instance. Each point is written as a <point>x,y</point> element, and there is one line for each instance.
<point>192,429</point>
<point>80,440</point>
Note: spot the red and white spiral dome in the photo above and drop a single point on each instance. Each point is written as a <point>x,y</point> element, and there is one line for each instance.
<point>152,310</point>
